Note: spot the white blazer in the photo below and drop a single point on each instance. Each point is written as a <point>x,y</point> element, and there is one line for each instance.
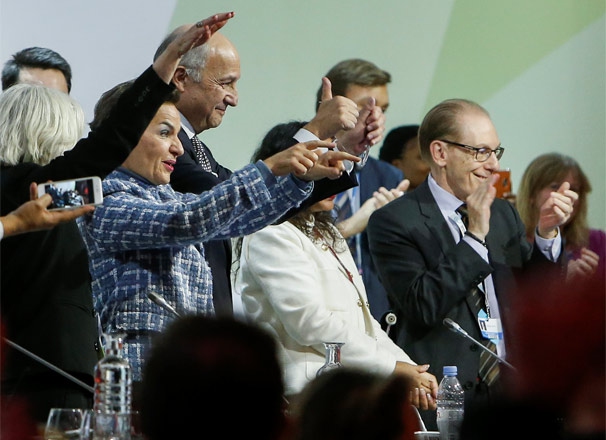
<point>297,290</point>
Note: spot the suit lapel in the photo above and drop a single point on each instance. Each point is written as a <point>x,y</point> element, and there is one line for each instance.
<point>438,227</point>
<point>188,147</point>
<point>432,217</point>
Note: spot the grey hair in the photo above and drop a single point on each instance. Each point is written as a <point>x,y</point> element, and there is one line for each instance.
<point>37,124</point>
<point>194,60</point>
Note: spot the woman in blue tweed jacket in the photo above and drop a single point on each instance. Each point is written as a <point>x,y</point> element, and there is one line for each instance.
<point>146,237</point>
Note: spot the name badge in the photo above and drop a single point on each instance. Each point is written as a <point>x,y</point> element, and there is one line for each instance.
<point>490,327</point>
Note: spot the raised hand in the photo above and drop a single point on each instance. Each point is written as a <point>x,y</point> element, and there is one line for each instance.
<point>197,34</point>
<point>367,132</point>
<point>359,220</point>
<point>478,207</point>
<point>297,159</point>
<point>334,114</point>
<point>329,165</point>
<point>556,210</point>
<point>306,161</point>
<point>383,196</point>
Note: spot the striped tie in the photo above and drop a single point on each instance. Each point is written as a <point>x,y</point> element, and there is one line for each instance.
<point>489,365</point>
<point>201,154</point>
<point>462,211</point>
<point>344,211</point>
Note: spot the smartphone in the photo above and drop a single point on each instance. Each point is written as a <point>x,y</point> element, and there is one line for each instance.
<point>503,185</point>
<point>70,194</point>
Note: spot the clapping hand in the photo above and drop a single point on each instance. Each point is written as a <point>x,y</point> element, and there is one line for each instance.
<point>582,267</point>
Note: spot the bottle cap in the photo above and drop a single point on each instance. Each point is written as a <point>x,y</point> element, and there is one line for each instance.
<point>449,370</point>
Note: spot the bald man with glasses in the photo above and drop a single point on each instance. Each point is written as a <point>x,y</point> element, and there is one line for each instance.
<point>451,249</point>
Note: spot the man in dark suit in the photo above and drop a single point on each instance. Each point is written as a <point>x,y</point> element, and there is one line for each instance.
<point>436,263</point>
<point>207,82</point>
<point>359,80</point>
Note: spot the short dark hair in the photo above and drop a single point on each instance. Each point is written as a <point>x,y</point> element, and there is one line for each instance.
<point>351,403</point>
<point>109,99</point>
<point>396,140</point>
<point>35,57</point>
<point>353,71</point>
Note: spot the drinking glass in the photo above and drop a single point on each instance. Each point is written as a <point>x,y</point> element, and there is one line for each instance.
<point>63,423</point>
<point>97,425</point>
<point>333,357</point>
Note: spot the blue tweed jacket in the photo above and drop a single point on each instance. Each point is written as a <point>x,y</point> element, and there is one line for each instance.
<point>148,237</point>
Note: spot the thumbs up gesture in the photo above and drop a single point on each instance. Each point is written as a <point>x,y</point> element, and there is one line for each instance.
<point>333,115</point>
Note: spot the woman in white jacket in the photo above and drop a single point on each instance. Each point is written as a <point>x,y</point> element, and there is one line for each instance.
<point>298,281</point>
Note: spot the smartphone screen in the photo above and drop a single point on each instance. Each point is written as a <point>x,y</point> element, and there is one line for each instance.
<point>73,193</point>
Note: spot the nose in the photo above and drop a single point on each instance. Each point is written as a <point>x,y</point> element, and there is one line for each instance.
<point>492,163</point>
<point>232,99</point>
<point>176,147</point>
<point>232,96</point>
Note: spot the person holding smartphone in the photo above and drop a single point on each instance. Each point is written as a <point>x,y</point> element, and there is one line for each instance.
<point>35,215</point>
<point>46,300</point>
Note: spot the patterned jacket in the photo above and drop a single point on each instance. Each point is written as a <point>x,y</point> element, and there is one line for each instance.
<point>148,238</point>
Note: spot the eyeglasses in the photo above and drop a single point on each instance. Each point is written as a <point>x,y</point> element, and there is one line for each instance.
<point>481,154</point>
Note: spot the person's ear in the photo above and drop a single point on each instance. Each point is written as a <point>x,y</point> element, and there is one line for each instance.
<point>179,78</point>
<point>439,152</point>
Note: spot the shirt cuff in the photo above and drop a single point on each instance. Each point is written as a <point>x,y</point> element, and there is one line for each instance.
<point>477,246</point>
<point>304,135</point>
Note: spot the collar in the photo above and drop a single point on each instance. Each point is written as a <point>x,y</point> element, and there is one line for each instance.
<point>447,202</point>
<point>187,128</point>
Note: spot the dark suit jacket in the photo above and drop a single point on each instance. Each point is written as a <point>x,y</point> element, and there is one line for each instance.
<point>46,297</point>
<point>188,176</point>
<point>429,277</point>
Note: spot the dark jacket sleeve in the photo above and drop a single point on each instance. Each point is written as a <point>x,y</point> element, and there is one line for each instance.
<point>322,189</point>
<point>107,147</point>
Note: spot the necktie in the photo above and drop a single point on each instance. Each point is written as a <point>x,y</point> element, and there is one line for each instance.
<point>201,154</point>
<point>344,211</point>
<point>489,366</point>
<point>462,211</point>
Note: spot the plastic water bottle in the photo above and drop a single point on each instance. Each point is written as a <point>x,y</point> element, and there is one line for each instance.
<point>113,382</point>
<point>451,398</point>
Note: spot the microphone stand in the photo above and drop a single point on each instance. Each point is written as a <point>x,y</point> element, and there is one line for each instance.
<point>453,326</point>
<point>156,298</point>
<point>49,365</point>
